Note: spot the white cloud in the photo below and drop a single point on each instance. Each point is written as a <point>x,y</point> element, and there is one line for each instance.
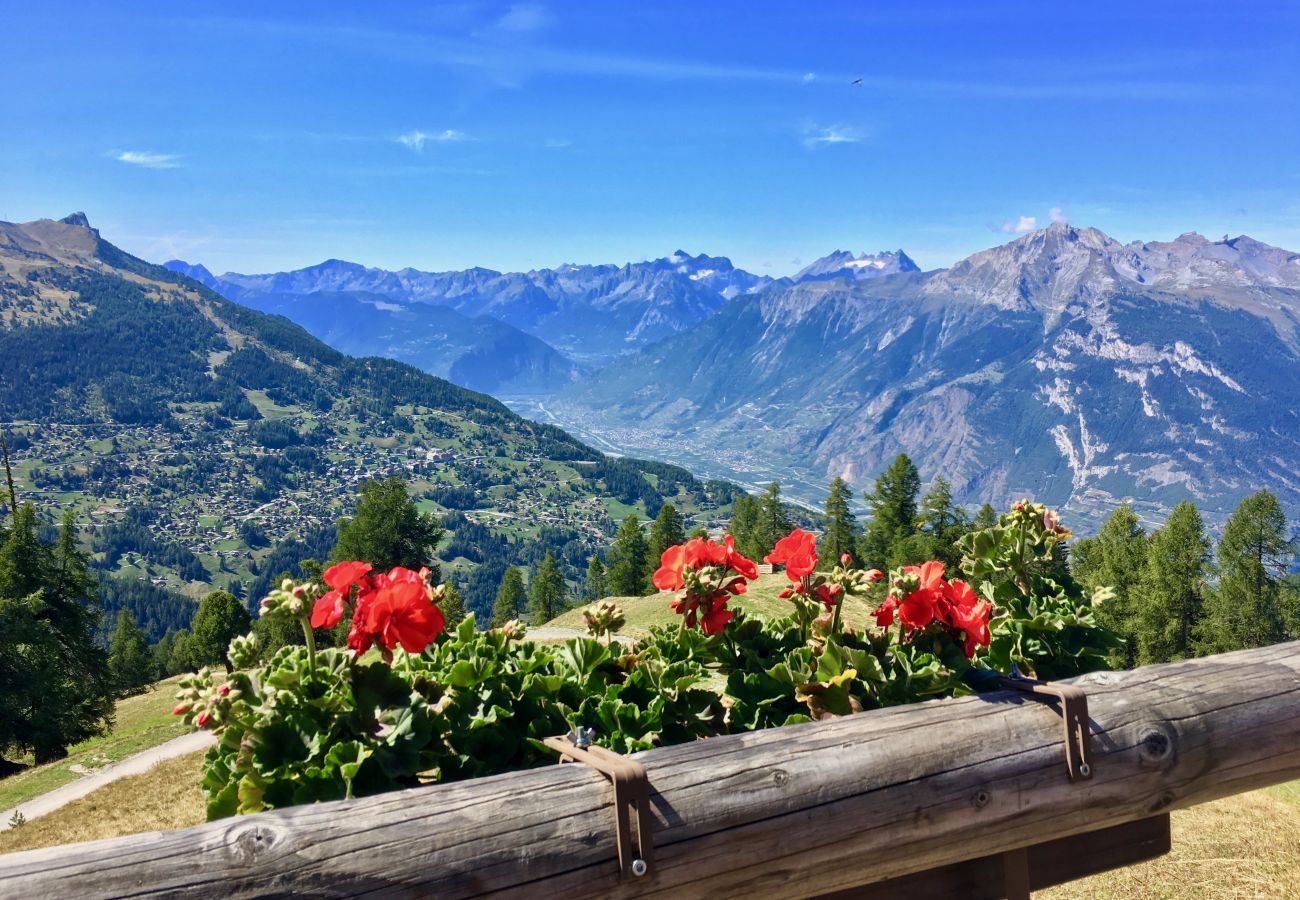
<point>416,140</point>
<point>1058,216</point>
<point>1020,226</point>
<point>833,134</point>
<point>808,77</point>
<point>149,160</point>
<point>524,17</point>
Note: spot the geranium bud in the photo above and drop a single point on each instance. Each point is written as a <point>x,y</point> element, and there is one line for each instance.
<point>845,559</point>
<point>180,710</point>
<point>874,575</point>
<point>286,585</point>
<point>202,720</point>
<point>224,690</point>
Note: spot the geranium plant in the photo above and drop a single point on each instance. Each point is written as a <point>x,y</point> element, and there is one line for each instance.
<point>407,702</point>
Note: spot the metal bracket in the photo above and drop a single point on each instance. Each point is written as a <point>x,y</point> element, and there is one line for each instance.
<point>1074,715</point>
<point>631,789</point>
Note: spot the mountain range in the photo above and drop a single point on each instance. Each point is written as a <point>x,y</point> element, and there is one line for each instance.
<point>1063,365</point>
<point>514,333</point>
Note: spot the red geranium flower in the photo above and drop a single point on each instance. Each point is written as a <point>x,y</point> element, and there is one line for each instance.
<point>710,573</point>
<point>797,551</point>
<point>396,609</point>
<point>329,609</point>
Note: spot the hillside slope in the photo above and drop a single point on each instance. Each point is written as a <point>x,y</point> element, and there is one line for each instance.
<point>206,443</point>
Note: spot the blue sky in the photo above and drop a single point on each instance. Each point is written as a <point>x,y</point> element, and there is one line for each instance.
<point>258,137</point>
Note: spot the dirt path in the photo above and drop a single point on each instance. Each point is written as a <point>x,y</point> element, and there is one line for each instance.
<point>132,765</point>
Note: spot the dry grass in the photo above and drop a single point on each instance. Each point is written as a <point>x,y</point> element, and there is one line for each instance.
<point>139,722</point>
<point>166,797</point>
<point>1238,847</point>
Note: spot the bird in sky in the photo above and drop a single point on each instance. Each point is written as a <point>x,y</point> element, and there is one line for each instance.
<point>857,81</point>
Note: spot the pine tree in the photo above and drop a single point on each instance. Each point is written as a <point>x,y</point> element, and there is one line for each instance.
<point>628,571</point>
<point>667,531</point>
<point>1169,598</point>
<point>220,618</point>
<point>594,586</point>
<point>893,513</point>
<point>546,591</point>
<point>942,522</point>
<point>1249,608</point>
<point>452,606</point>
<point>56,681</point>
<point>773,523</point>
<point>986,517</point>
<point>130,663</point>
<point>841,525</point>
<point>1114,559</point>
<point>510,599</point>
<point>388,530</point>
<point>159,654</point>
<point>181,658</point>
<point>744,526</point>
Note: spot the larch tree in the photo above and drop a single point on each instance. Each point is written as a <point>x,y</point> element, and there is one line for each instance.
<point>1249,606</point>
<point>841,525</point>
<point>1114,559</point>
<point>510,599</point>
<point>1170,593</point>
<point>627,573</point>
<point>546,591</point>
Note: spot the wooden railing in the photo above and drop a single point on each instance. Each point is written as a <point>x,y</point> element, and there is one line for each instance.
<point>798,811</point>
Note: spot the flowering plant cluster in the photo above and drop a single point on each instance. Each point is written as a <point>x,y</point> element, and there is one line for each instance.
<point>407,701</point>
<point>920,596</point>
<point>708,575</point>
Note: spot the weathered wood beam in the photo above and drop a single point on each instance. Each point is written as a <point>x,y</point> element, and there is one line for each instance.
<point>797,811</point>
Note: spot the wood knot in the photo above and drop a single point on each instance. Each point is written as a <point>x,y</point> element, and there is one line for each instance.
<point>1156,744</point>
<point>980,799</point>
<point>248,844</point>
<point>1163,802</point>
<point>780,777</point>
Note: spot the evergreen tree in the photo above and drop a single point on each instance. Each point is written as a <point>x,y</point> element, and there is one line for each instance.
<point>986,517</point>
<point>388,530</point>
<point>773,523</point>
<point>160,652</point>
<point>130,663</point>
<point>181,658</point>
<point>594,587</point>
<point>893,514</point>
<point>942,522</point>
<point>1169,598</point>
<point>1114,559</point>
<point>744,526</point>
<point>55,688</point>
<point>629,569</point>
<point>220,617</point>
<point>546,591</point>
<point>667,531</point>
<point>1249,609</point>
<point>452,606</point>
<point>841,525</point>
<point>510,597</point>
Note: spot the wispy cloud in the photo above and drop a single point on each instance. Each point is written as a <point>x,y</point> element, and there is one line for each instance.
<point>1058,216</point>
<point>1022,225</point>
<point>815,136</point>
<point>808,78</point>
<point>525,17</point>
<point>148,160</point>
<point>416,140</point>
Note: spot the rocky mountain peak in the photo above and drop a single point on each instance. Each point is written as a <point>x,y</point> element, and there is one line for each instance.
<point>77,218</point>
